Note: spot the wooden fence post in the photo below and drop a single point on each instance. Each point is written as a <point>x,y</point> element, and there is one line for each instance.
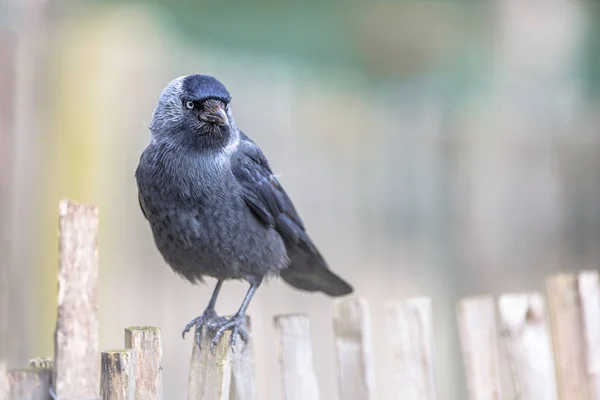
<point>589,293</point>
<point>295,357</point>
<point>568,339</point>
<point>117,380</point>
<point>479,342</point>
<point>41,362</point>
<point>28,383</point>
<point>243,385</point>
<point>410,332</point>
<point>146,342</point>
<point>210,375</point>
<point>3,381</point>
<point>76,356</point>
<point>528,345</point>
<point>352,331</point>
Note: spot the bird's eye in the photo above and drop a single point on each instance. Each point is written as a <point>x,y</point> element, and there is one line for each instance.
<point>189,105</point>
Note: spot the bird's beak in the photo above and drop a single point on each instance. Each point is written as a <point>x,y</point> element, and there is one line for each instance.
<point>215,113</point>
<point>222,115</point>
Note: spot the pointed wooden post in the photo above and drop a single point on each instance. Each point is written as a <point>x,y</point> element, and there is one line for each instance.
<point>295,357</point>
<point>479,343</point>
<point>76,355</point>
<point>352,331</point>
<point>146,343</point>
<point>528,345</point>
<point>117,379</point>
<point>589,294</point>
<point>28,383</point>
<point>410,332</point>
<point>210,375</point>
<point>243,381</point>
<point>568,337</point>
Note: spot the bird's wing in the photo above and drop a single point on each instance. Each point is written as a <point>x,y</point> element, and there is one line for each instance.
<point>142,206</point>
<point>265,196</point>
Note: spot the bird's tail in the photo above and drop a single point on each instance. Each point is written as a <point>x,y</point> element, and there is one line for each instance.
<point>311,274</point>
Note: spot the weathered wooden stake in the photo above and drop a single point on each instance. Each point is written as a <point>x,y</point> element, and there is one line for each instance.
<point>568,338</point>
<point>589,293</point>
<point>146,342</point>
<point>479,343</point>
<point>243,385</point>
<point>295,357</point>
<point>352,331</point>
<point>117,380</point>
<point>41,362</point>
<point>28,383</point>
<point>3,381</point>
<point>528,345</point>
<point>210,375</point>
<point>76,356</point>
<point>411,336</point>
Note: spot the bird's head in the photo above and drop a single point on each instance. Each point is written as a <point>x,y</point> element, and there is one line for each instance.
<point>194,111</point>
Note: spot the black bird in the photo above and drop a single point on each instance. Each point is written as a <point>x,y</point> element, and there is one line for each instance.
<point>216,209</point>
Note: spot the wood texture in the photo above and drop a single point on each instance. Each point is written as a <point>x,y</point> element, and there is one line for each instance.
<point>568,338</point>
<point>295,357</point>
<point>117,378</point>
<point>528,345</point>
<point>243,381</point>
<point>3,381</point>
<point>479,343</point>
<point>146,342</point>
<point>41,362</point>
<point>589,295</point>
<point>352,331</point>
<point>210,375</point>
<point>76,355</point>
<point>28,384</point>
<point>410,332</point>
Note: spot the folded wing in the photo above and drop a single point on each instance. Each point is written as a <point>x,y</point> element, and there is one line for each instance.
<point>272,206</point>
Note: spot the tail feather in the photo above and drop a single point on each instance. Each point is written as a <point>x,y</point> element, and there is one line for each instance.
<point>311,274</point>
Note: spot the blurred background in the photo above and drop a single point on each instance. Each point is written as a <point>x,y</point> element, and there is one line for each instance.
<point>438,148</point>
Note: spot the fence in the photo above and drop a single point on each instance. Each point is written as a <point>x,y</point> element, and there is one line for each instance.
<point>552,352</point>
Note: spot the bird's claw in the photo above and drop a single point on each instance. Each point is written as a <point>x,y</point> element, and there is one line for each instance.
<point>216,326</point>
<point>235,325</point>
<point>198,322</point>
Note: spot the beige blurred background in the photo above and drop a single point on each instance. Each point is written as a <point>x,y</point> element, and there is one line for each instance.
<point>438,148</point>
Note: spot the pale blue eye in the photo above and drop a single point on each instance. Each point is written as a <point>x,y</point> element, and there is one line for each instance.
<point>189,105</point>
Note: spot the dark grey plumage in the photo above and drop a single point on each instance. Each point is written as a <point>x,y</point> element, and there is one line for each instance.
<point>214,206</point>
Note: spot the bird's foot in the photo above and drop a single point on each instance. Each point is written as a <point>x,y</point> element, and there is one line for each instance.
<point>208,317</point>
<point>234,324</point>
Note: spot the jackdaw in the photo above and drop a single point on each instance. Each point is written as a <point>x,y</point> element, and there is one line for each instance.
<point>216,209</point>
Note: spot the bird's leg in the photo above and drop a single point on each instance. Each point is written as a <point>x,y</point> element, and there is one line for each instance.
<point>235,323</point>
<point>209,314</point>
